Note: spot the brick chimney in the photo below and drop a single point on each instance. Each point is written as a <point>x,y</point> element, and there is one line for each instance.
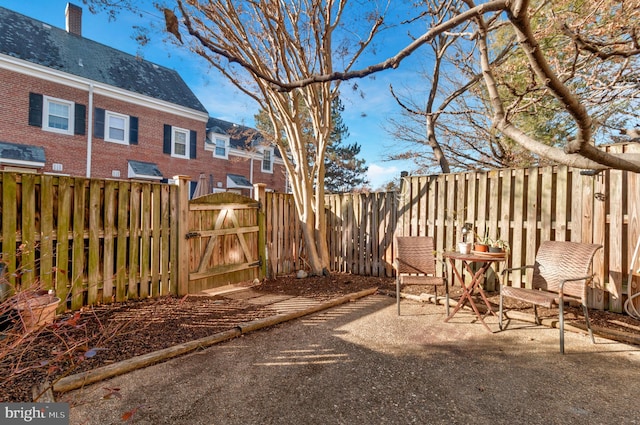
<point>74,19</point>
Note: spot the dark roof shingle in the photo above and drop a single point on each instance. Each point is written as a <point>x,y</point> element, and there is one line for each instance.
<point>22,152</point>
<point>240,137</point>
<point>34,41</point>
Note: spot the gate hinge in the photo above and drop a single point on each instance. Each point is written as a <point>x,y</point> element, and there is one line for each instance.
<point>191,235</point>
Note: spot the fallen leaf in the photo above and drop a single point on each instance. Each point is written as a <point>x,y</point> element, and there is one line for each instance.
<point>112,392</point>
<point>127,416</point>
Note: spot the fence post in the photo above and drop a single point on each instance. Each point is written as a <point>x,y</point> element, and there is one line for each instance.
<point>259,195</point>
<point>181,270</point>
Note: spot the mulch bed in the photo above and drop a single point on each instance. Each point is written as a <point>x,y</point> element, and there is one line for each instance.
<point>106,334</point>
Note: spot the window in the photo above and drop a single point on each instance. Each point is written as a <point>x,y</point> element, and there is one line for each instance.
<point>267,163</point>
<point>180,143</point>
<point>58,115</point>
<point>117,126</point>
<point>217,142</point>
<point>221,147</point>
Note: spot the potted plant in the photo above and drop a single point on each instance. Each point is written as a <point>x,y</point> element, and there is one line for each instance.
<point>499,245</point>
<point>482,243</point>
<point>35,307</point>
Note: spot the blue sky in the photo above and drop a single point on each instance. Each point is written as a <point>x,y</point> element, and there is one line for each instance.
<point>364,117</point>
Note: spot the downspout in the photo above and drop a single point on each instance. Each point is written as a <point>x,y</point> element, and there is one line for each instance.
<point>90,130</point>
<point>251,176</point>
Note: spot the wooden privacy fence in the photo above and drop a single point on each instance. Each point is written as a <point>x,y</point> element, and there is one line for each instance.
<point>223,234</point>
<point>98,241</point>
<point>360,229</point>
<point>527,206</point>
<point>93,241</point>
<point>521,206</point>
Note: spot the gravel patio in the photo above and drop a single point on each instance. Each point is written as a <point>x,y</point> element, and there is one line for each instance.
<point>360,363</point>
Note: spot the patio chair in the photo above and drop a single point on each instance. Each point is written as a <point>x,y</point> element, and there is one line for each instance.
<point>561,273</point>
<point>415,264</point>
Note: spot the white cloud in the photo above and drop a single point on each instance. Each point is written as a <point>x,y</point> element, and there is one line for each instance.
<point>379,175</point>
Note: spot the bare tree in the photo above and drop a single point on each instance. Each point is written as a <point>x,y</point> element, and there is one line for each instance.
<point>275,43</point>
<point>607,32</point>
<point>443,132</point>
<point>290,53</point>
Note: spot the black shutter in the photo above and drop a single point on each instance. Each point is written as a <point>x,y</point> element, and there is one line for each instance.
<point>166,145</point>
<point>133,130</point>
<point>80,119</point>
<point>194,143</point>
<point>98,124</point>
<point>35,109</point>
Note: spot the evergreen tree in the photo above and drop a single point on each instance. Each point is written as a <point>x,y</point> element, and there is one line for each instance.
<point>344,170</point>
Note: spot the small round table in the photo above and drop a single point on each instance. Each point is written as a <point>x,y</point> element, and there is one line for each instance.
<point>485,259</point>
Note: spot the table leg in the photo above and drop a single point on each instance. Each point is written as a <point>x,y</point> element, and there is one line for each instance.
<point>467,292</point>
<point>486,302</point>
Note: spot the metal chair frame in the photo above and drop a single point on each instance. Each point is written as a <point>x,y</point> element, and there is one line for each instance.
<point>561,273</point>
<point>415,264</point>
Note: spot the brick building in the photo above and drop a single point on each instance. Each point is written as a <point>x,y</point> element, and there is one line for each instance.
<point>76,107</point>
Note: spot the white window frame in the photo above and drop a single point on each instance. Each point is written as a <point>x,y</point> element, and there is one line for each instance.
<point>174,132</point>
<point>46,104</point>
<point>262,166</point>
<point>225,140</point>
<point>108,115</point>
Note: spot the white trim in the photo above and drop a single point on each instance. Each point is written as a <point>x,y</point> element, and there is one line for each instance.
<point>107,138</point>
<point>241,153</point>
<point>145,177</point>
<point>21,163</point>
<point>49,173</point>
<point>187,142</point>
<point>70,80</point>
<point>255,155</point>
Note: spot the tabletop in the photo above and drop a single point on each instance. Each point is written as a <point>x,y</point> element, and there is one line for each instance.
<point>476,256</point>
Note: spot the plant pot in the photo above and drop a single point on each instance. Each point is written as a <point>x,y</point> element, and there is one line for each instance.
<point>464,247</point>
<point>37,310</point>
<point>495,249</point>
<point>480,247</point>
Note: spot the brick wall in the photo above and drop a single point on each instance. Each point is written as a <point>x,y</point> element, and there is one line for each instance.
<point>108,156</point>
<point>71,150</point>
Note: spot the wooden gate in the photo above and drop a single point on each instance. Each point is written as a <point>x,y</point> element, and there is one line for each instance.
<point>223,234</point>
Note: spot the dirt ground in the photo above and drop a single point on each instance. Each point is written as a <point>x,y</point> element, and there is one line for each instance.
<point>106,334</point>
<point>359,363</point>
